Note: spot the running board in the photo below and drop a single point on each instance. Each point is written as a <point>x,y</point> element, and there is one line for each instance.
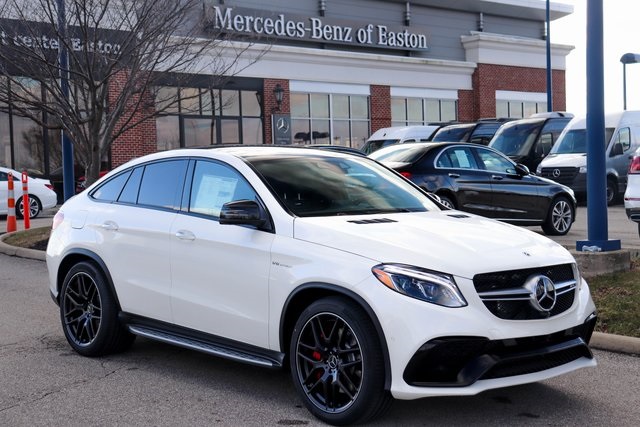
<point>209,348</point>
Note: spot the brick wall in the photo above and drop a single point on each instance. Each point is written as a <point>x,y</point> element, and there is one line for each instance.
<point>380,104</point>
<point>488,78</point>
<point>270,106</point>
<point>141,139</point>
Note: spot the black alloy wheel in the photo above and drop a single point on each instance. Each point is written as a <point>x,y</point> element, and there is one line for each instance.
<point>34,207</point>
<point>336,363</point>
<point>88,313</point>
<point>447,201</point>
<point>559,218</point>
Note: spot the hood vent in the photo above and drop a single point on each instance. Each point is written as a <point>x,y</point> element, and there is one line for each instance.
<point>372,221</point>
<point>459,216</point>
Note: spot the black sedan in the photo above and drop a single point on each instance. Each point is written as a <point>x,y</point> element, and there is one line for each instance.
<point>480,180</point>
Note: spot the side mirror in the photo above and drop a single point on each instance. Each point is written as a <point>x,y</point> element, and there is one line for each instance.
<point>522,170</point>
<point>616,150</point>
<point>244,212</point>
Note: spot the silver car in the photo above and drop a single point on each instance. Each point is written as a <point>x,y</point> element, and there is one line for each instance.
<point>632,194</point>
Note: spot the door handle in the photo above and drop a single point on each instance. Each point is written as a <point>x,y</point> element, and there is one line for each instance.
<point>185,235</point>
<point>109,226</point>
<point>497,177</point>
<point>454,175</point>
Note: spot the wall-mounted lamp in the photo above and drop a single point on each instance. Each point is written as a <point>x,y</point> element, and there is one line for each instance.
<point>481,22</point>
<point>322,7</point>
<point>278,93</point>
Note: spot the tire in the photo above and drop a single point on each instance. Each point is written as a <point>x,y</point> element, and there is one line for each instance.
<point>447,201</point>
<point>612,192</point>
<point>89,313</point>
<point>337,364</point>
<point>559,218</point>
<point>34,205</point>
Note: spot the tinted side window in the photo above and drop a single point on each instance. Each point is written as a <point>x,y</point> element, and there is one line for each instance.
<point>3,176</point>
<point>624,137</point>
<point>110,190</point>
<point>494,162</point>
<point>457,158</point>
<point>214,185</point>
<point>130,192</point>
<point>162,184</point>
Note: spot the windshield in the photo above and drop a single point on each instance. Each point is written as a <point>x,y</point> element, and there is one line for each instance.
<point>516,140</point>
<point>403,153</point>
<point>315,185</point>
<point>371,146</point>
<point>574,141</point>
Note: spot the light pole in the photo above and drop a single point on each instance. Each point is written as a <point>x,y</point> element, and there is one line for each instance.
<point>68,180</point>
<point>549,82</point>
<point>627,58</point>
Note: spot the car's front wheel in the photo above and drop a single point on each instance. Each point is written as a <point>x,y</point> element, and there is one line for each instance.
<point>337,364</point>
<point>447,201</point>
<point>559,218</point>
<point>89,313</point>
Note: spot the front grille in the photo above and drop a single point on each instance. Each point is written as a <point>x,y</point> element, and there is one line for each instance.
<point>505,296</point>
<point>566,177</point>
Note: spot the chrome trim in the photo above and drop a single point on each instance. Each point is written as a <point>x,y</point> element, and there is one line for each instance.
<point>523,294</point>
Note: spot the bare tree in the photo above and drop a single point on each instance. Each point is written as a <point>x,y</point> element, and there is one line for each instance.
<point>118,50</point>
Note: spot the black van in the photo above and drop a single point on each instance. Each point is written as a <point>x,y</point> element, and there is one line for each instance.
<point>528,141</point>
<point>479,132</point>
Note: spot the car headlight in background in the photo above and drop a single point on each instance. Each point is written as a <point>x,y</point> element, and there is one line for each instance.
<point>430,286</point>
<point>583,169</point>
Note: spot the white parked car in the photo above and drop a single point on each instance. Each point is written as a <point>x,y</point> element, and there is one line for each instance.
<point>41,194</point>
<point>632,193</point>
<point>325,261</point>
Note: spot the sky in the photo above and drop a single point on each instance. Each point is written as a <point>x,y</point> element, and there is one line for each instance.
<point>621,35</point>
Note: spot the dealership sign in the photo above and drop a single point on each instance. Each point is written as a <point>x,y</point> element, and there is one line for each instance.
<point>259,24</point>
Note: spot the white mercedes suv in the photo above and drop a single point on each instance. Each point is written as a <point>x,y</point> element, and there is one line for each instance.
<point>326,262</point>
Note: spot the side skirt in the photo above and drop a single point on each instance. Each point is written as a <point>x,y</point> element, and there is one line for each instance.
<point>199,341</point>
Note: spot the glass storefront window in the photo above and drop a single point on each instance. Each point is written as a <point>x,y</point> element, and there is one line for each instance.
<point>360,107</point>
<point>230,103</point>
<point>299,105</point>
<point>27,145</point>
<point>319,105</point>
<point>421,111</point>
<point>167,99</point>
<point>168,132</point>
<point>198,132</point>
<point>252,131</point>
<point>5,140</point>
<point>190,100</point>
<point>340,105</point>
<point>250,106</point>
<point>230,132</point>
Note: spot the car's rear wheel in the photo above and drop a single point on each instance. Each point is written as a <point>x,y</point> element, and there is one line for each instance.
<point>336,363</point>
<point>35,207</point>
<point>559,218</point>
<point>89,313</point>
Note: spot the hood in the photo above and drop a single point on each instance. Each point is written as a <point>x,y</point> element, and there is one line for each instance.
<point>452,242</point>
<point>564,160</point>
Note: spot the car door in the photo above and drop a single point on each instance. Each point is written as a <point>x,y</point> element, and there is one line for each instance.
<point>220,273</point>
<point>4,192</point>
<point>457,169</point>
<point>515,196</point>
<point>132,221</point>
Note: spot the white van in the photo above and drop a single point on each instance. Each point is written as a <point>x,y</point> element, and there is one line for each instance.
<point>398,135</point>
<point>567,161</point>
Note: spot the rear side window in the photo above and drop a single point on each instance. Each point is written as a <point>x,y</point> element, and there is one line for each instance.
<point>130,192</point>
<point>110,190</point>
<point>457,158</point>
<point>161,184</point>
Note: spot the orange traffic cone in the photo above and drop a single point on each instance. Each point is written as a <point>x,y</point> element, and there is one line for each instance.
<point>11,205</point>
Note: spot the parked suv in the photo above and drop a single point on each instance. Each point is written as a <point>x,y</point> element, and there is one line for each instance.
<point>567,161</point>
<point>398,135</point>
<point>528,141</point>
<point>479,132</point>
<point>326,262</point>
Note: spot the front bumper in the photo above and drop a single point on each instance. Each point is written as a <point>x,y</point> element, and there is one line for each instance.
<point>461,361</point>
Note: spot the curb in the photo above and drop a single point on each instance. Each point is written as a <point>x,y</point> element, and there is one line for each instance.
<point>599,340</point>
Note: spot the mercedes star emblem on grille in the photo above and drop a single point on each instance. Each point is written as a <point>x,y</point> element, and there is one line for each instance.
<point>556,173</point>
<point>542,293</point>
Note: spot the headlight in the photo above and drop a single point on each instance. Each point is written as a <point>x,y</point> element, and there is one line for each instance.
<point>539,170</point>
<point>430,286</point>
<point>583,169</point>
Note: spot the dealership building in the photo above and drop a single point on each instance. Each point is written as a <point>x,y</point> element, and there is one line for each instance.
<point>333,72</point>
